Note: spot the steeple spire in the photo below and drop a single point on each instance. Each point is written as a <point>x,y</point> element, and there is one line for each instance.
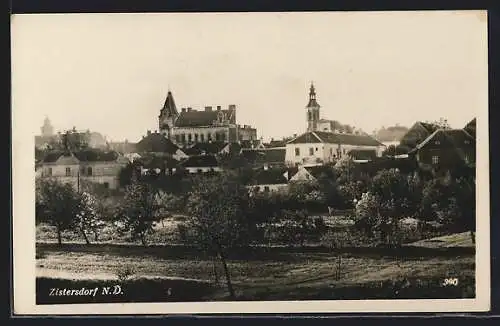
<point>312,97</point>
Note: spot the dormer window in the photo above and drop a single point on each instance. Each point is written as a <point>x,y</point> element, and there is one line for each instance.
<point>437,142</point>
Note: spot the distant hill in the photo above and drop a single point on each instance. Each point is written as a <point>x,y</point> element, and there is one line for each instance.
<point>392,133</point>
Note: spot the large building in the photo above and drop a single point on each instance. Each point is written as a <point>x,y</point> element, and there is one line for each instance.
<point>190,126</point>
<point>327,140</point>
<point>86,166</point>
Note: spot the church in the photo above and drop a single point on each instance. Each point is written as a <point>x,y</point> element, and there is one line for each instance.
<point>326,141</point>
<point>190,126</point>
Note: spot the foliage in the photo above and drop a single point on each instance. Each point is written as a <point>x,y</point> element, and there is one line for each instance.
<point>140,210</point>
<point>57,204</point>
<point>217,208</point>
<point>88,218</point>
<point>70,140</point>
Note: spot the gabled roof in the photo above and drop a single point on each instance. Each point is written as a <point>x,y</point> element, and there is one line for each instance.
<point>270,176</point>
<point>471,127</point>
<point>87,155</point>
<point>318,170</point>
<point>335,138</point>
<point>200,161</point>
<point>156,143</point>
<point>195,118</point>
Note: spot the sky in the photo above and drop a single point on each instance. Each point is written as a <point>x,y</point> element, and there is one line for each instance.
<point>110,73</point>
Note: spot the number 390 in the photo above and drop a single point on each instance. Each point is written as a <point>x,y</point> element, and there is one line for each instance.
<point>450,281</point>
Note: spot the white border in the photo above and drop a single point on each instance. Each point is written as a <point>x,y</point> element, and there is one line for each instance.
<point>24,246</point>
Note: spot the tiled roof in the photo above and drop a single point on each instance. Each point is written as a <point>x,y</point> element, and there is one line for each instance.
<point>429,126</point>
<point>335,138</point>
<point>200,161</point>
<point>195,118</point>
<point>270,176</point>
<point>156,142</point>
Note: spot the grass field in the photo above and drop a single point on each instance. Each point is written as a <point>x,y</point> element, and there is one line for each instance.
<point>162,272</point>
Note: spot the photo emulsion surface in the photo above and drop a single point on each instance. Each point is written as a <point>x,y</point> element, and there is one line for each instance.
<point>238,162</point>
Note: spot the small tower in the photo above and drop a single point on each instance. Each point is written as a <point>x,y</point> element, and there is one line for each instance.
<point>312,110</point>
<point>168,115</point>
<point>47,129</point>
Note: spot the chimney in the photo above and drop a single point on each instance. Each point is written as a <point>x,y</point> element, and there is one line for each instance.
<point>149,132</point>
<point>218,107</point>
<point>294,135</point>
<point>189,109</point>
<point>208,108</point>
<point>183,110</point>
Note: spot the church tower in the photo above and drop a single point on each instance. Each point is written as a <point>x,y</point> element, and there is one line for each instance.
<point>47,129</point>
<point>168,115</point>
<point>312,110</point>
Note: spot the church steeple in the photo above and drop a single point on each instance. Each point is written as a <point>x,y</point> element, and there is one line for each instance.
<point>168,114</point>
<point>47,129</point>
<point>312,110</point>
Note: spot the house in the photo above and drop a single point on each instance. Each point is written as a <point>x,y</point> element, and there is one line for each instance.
<point>470,128</point>
<point>157,164</point>
<point>417,134</point>
<point>265,157</point>
<point>91,165</point>
<point>192,126</point>
<point>324,147</point>
<point>269,181</point>
<point>312,173</point>
<point>156,143</point>
<point>200,164</point>
<point>125,147</point>
<point>446,149</point>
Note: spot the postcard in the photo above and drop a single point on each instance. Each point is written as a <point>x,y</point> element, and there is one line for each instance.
<point>293,162</point>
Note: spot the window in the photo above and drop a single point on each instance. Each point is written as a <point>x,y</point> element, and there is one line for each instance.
<point>68,172</point>
<point>189,138</point>
<point>466,158</point>
<point>467,142</point>
<point>199,170</point>
<point>331,151</point>
<point>217,137</point>
<point>297,151</point>
<point>49,171</point>
<point>311,151</point>
<point>223,136</point>
<point>209,137</point>
<point>183,138</point>
<point>344,151</point>
<point>435,159</point>
<point>437,142</point>
<point>89,170</point>
<point>196,137</point>
<point>316,149</point>
<point>266,189</point>
<point>106,185</point>
<point>202,137</point>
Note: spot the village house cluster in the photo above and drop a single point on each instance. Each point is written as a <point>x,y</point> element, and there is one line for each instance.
<point>197,141</point>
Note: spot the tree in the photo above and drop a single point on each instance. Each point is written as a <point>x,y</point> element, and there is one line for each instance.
<point>140,210</point>
<point>88,218</point>
<point>391,189</point>
<point>70,140</point>
<point>217,208</point>
<point>57,204</point>
<point>367,210</point>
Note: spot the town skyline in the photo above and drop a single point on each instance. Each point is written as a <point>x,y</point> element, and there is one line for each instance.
<point>113,72</point>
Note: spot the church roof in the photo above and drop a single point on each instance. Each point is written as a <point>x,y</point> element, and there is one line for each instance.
<point>195,118</point>
<point>156,143</point>
<point>335,138</point>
